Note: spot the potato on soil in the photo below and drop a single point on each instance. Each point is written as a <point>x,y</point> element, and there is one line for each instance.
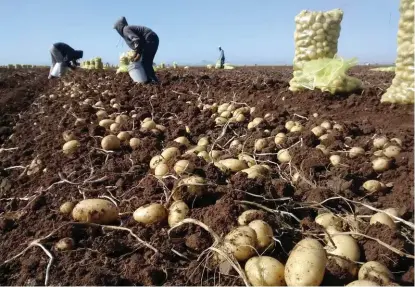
<point>373,185</point>
<point>110,142</point>
<point>380,142</point>
<point>391,151</point>
<point>161,170</point>
<point>356,151</point>
<point>123,136</point>
<point>148,125</point>
<point>376,272</point>
<point>70,147</point>
<point>183,166</point>
<point>101,114</point>
<point>383,218</point>
<point>170,153</point>
<point>183,141</point>
<point>95,210</point>
<point>260,144</point>
<point>135,143</point>
<point>347,247</point>
<point>204,155</point>
<point>362,283</point>
<point>115,127</point>
<point>161,128</point>
<point>177,212</point>
<point>306,264</point>
<point>243,219</point>
<point>233,164</point>
<point>265,271</point>
<point>381,164</point>
<point>335,159</point>
<point>241,242</point>
<point>204,141</point>
<point>247,158</point>
<point>329,220</point>
<point>150,213</point>
<point>106,123</point>
<point>196,149</point>
<point>189,187</point>
<point>121,119</point>
<point>68,136</point>
<point>155,160</point>
<point>284,156</point>
<point>67,207</point>
<point>264,234</point>
<point>317,131</point>
<point>65,244</point>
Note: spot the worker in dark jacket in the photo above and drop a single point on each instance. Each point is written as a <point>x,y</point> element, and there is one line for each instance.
<point>221,57</point>
<point>143,41</point>
<point>63,53</point>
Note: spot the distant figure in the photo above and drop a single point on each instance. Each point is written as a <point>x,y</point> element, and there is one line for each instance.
<point>143,41</point>
<point>221,57</point>
<point>63,53</point>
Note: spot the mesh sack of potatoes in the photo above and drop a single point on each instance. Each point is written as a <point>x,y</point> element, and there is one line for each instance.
<point>125,60</point>
<point>328,75</point>
<point>98,63</point>
<point>402,88</point>
<point>315,38</point>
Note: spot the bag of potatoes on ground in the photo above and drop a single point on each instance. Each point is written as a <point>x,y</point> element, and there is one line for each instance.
<point>316,38</point>
<point>402,89</point>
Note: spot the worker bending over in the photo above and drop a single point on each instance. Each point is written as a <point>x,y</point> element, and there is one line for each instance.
<point>65,54</point>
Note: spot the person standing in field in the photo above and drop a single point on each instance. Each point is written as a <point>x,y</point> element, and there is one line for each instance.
<point>221,57</point>
<point>63,53</point>
<point>144,42</point>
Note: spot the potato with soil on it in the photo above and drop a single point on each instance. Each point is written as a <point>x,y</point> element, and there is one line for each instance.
<point>306,264</point>
<point>161,170</point>
<point>183,166</point>
<point>241,243</point>
<point>265,271</point>
<point>376,272</point>
<point>68,136</point>
<point>156,160</point>
<point>67,207</point>
<point>150,213</point>
<point>231,164</point>
<point>328,220</point>
<point>70,147</point>
<point>170,153</point>
<point>347,247</point>
<point>95,210</point>
<point>362,283</point>
<point>189,188</point>
<point>249,215</point>
<point>383,218</point>
<point>264,233</point>
<point>106,123</point>
<point>65,244</point>
<point>110,142</point>
<point>135,143</point>
<point>177,212</point>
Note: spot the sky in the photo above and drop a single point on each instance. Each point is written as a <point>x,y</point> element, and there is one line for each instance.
<point>250,31</point>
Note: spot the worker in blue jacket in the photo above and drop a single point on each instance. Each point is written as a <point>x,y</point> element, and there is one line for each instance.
<point>63,53</point>
<point>143,41</point>
<point>221,57</point>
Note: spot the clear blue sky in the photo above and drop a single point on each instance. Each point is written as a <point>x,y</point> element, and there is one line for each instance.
<point>250,31</point>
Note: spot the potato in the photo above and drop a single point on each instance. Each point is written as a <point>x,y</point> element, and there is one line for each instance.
<point>106,123</point>
<point>241,242</point>
<point>318,131</point>
<point>264,234</point>
<point>380,141</point>
<point>95,210</point>
<point>260,144</point>
<point>68,136</point>
<point>183,166</point>
<point>383,218</point>
<point>335,159</point>
<point>297,127</point>
<point>123,136</point>
<point>396,141</point>
<point>134,143</point>
<point>204,141</point>
<point>373,185</point>
<point>148,125</point>
<point>71,146</point>
<point>252,110</point>
<point>338,127</point>
<point>247,158</point>
<point>362,283</point>
<point>121,119</point>
<point>116,106</point>
<point>250,213</point>
<point>392,151</point>
<point>265,271</point>
<point>110,142</point>
<point>215,154</point>
<point>220,121</point>
<point>101,114</point>
<point>394,211</point>
<point>289,125</point>
<point>284,156</point>
<point>326,125</point>
<point>226,114</point>
<point>236,145</point>
<point>253,173</point>
<point>183,141</point>
<point>323,148</point>
<point>306,264</point>
<point>177,212</point>
<point>329,220</point>
<point>161,170</point>
<point>376,272</point>
<point>156,160</point>
<point>192,186</point>
<point>196,149</point>
<point>170,153</point>
<point>356,151</point>
<point>233,164</point>
<point>115,128</point>
<point>280,138</point>
<point>255,122</point>
<point>240,118</point>
<point>381,164</point>
<point>67,207</point>
<point>65,244</point>
<point>347,247</point>
<point>204,155</point>
<point>223,107</point>
<point>150,213</point>
<point>99,104</point>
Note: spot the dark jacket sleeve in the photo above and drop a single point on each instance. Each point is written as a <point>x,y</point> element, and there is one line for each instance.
<point>134,38</point>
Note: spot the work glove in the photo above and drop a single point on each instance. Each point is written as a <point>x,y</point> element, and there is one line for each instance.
<point>136,58</point>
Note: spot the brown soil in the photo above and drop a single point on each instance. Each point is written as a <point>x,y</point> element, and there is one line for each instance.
<point>33,122</point>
